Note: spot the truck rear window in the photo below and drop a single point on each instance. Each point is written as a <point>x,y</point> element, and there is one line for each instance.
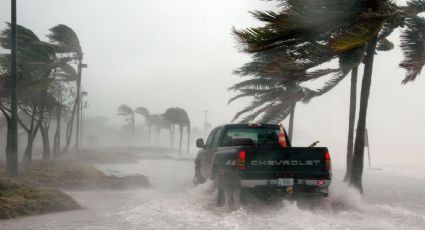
<point>250,137</point>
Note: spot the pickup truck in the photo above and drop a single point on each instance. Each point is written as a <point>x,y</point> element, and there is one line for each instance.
<point>255,157</point>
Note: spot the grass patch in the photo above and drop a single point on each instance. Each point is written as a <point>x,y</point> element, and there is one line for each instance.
<point>17,200</point>
<point>70,174</point>
<point>102,157</point>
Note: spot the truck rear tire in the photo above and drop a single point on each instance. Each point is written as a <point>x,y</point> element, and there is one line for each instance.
<point>198,179</point>
<point>221,194</point>
<point>227,195</point>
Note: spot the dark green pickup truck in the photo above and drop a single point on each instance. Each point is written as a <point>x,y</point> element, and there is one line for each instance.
<point>251,157</point>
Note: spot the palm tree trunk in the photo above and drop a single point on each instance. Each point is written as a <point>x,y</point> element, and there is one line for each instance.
<point>351,121</point>
<point>150,133</point>
<point>357,163</point>
<point>30,142</point>
<point>9,162</point>
<point>28,150</point>
<point>291,123</point>
<point>188,138</point>
<point>181,138</point>
<point>158,137</point>
<point>157,130</point>
<point>173,129</point>
<point>44,130</point>
<point>32,134</point>
<point>57,137</point>
<point>171,136</point>
<point>69,127</point>
<point>133,129</point>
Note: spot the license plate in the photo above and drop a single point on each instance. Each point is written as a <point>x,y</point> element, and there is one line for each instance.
<point>285,182</point>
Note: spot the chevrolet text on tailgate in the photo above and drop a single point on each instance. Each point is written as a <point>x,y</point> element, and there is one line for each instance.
<point>259,157</point>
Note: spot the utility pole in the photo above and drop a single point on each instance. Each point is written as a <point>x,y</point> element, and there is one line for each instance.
<point>12,151</point>
<point>83,105</point>
<point>81,119</point>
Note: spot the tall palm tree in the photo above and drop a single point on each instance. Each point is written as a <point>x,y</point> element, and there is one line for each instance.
<point>66,41</point>
<point>127,112</point>
<point>63,74</point>
<point>343,26</point>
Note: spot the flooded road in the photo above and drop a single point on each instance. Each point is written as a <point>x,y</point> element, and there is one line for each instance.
<point>391,201</point>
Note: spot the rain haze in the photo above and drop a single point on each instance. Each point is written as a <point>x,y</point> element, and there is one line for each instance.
<point>168,53</point>
<point>163,54</point>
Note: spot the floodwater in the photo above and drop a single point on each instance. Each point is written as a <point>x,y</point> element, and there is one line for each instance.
<point>394,199</point>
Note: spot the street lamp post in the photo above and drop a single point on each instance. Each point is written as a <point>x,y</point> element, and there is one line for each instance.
<point>12,152</point>
<point>77,133</point>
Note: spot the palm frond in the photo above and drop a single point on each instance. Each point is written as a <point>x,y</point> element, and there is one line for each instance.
<point>356,36</point>
<point>347,61</point>
<point>384,45</point>
<point>281,110</point>
<point>65,39</point>
<point>251,117</point>
<point>241,95</point>
<point>413,47</point>
<point>69,71</point>
<point>270,17</point>
<point>125,110</point>
<point>414,7</point>
<point>143,111</point>
<point>255,83</point>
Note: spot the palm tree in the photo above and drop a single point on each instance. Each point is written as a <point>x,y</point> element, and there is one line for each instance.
<point>36,61</point>
<point>344,26</point>
<point>63,74</point>
<point>178,116</point>
<point>127,112</point>
<point>66,41</point>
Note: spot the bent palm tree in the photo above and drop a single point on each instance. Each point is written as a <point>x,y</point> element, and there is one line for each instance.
<point>66,41</point>
<point>127,112</point>
<point>146,114</point>
<point>179,116</point>
<point>343,26</point>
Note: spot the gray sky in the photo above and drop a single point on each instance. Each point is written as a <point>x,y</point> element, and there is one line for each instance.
<point>159,54</point>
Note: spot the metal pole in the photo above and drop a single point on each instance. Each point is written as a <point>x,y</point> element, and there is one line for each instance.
<point>12,153</point>
<point>81,119</point>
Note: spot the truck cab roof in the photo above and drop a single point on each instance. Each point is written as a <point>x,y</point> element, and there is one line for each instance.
<point>251,125</point>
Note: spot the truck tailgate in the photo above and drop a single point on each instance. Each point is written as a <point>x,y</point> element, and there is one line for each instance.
<point>295,162</point>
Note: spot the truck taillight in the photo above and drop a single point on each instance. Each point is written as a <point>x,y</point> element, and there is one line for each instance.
<point>241,160</point>
<point>321,182</point>
<point>327,161</point>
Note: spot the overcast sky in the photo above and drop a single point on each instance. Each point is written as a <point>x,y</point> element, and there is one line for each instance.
<point>160,54</point>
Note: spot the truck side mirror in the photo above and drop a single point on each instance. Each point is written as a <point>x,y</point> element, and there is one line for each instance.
<point>200,143</point>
